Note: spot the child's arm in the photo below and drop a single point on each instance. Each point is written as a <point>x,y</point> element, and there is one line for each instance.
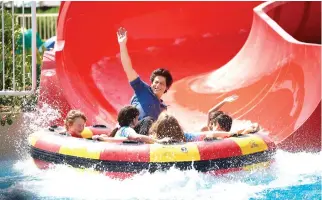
<point>146,139</point>
<point>99,137</point>
<point>131,136</point>
<point>221,134</point>
<point>253,128</point>
<point>219,105</point>
<point>105,138</point>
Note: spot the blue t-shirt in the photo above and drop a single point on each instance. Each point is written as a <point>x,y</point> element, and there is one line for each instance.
<point>145,100</point>
<point>124,131</point>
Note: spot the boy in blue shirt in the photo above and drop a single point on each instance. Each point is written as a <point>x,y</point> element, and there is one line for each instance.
<point>146,98</point>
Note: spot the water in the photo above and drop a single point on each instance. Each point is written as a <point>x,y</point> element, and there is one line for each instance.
<point>292,176</point>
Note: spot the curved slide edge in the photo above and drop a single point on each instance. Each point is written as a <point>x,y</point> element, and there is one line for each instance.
<point>277,78</point>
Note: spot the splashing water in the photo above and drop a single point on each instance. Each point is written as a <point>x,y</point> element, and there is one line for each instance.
<point>32,122</point>
<point>292,176</point>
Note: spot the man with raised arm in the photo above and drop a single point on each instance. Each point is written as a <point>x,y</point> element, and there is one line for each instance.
<point>147,98</point>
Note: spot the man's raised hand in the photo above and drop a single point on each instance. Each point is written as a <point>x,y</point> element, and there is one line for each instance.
<point>122,35</point>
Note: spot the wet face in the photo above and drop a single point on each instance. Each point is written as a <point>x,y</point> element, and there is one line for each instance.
<point>77,126</point>
<point>159,86</point>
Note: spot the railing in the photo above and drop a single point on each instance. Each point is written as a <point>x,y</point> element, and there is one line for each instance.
<point>46,24</point>
<point>8,49</point>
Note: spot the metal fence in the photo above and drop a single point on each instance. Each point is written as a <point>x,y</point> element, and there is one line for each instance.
<point>8,49</point>
<point>46,23</point>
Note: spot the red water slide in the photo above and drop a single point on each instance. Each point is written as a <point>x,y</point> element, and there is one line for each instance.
<point>267,53</point>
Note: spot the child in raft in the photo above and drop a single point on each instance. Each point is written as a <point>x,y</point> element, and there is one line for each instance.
<point>128,118</point>
<point>74,123</point>
<point>219,123</point>
<point>167,126</point>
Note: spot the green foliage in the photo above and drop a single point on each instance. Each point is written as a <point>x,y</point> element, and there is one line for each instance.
<point>46,25</point>
<point>38,10</point>
<point>48,10</point>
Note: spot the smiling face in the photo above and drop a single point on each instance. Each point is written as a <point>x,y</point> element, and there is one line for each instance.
<point>159,86</point>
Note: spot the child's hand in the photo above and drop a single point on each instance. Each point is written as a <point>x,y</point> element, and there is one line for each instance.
<point>122,35</point>
<point>255,127</point>
<point>95,137</point>
<point>209,137</point>
<point>103,135</point>
<point>99,137</point>
<point>231,98</point>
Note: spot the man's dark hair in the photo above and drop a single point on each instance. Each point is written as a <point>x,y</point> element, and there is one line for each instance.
<point>224,121</point>
<point>127,115</point>
<point>165,73</point>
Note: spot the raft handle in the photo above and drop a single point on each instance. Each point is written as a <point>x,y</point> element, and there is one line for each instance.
<point>238,135</point>
<point>52,128</point>
<point>210,139</point>
<point>99,126</point>
<point>131,142</point>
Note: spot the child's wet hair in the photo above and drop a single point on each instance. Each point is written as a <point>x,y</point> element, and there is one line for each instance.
<point>126,115</point>
<point>225,122</point>
<point>214,115</point>
<point>167,126</point>
<point>71,117</point>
